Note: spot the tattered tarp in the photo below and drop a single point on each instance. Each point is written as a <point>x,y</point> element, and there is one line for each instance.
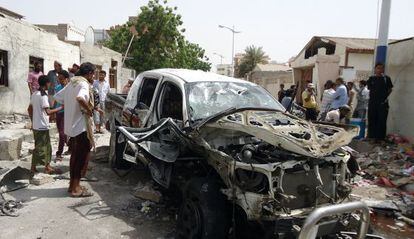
<point>13,179</point>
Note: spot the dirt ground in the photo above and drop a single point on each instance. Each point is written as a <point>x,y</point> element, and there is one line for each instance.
<point>49,211</point>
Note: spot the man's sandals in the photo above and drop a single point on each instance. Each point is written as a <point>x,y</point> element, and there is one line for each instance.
<point>83,193</point>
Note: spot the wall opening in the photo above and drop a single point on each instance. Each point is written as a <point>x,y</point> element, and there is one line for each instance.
<point>318,43</point>
<point>4,69</point>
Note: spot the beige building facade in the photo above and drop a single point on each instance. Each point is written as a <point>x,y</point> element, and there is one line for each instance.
<point>270,76</point>
<point>327,58</point>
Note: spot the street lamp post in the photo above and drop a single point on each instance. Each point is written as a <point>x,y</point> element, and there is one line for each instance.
<point>232,47</point>
<point>221,57</point>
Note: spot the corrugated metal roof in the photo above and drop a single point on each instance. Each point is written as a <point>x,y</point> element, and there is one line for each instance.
<point>353,43</point>
<point>272,67</point>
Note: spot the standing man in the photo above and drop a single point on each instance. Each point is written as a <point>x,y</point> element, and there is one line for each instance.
<point>78,100</point>
<point>39,113</point>
<point>362,101</point>
<point>63,77</point>
<point>53,78</point>
<point>351,96</point>
<point>33,78</point>
<point>380,87</point>
<point>309,102</point>
<point>127,86</point>
<point>102,87</point>
<point>341,94</point>
<point>281,93</point>
<point>73,70</point>
<point>327,99</point>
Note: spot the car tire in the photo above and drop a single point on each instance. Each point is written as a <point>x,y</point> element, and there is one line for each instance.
<point>116,150</point>
<point>204,211</point>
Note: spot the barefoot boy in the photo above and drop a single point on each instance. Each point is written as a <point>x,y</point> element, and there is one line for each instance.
<point>39,113</point>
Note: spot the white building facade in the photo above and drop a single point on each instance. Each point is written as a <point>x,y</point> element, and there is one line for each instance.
<point>20,44</point>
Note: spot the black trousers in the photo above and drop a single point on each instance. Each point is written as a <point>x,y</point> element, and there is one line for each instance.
<point>311,114</point>
<point>377,121</point>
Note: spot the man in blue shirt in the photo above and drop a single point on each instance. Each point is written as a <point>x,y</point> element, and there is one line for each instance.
<point>63,77</point>
<point>340,98</point>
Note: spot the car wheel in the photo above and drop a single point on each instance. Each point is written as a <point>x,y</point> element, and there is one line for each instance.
<point>204,211</point>
<point>116,150</point>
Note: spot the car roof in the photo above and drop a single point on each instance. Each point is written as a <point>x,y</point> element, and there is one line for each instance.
<point>190,76</point>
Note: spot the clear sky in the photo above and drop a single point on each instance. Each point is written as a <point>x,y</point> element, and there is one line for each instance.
<point>281,27</point>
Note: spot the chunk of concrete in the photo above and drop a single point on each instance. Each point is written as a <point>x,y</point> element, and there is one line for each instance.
<point>147,192</point>
<point>101,153</point>
<point>41,178</point>
<point>10,145</point>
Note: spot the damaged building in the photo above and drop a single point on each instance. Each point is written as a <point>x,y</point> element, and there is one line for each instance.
<point>22,43</point>
<point>91,51</point>
<point>326,58</point>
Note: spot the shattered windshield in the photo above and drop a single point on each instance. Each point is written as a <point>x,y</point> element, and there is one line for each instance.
<point>208,98</point>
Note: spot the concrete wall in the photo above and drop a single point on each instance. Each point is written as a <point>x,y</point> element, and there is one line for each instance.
<point>325,67</point>
<point>361,62</point>
<point>22,40</point>
<point>400,67</point>
<point>271,80</point>
<point>326,70</point>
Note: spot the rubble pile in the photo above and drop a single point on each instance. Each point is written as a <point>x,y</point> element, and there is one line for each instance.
<point>386,180</point>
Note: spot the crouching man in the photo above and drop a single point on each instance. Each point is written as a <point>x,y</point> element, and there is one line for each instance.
<point>39,111</point>
<point>339,116</point>
<point>78,101</point>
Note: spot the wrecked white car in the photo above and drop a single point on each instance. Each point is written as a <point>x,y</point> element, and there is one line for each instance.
<point>242,163</point>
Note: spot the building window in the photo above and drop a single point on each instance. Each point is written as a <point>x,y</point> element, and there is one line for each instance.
<point>4,69</point>
<point>32,60</point>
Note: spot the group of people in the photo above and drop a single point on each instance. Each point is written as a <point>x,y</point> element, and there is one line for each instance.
<point>341,101</point>
<point>71,99</point>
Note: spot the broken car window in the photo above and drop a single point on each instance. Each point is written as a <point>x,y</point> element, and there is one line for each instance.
<point>171,102</point>
<point>208,98</point>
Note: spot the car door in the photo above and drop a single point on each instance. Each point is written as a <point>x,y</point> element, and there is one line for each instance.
<point>138,105</point>
<point>162,138</point>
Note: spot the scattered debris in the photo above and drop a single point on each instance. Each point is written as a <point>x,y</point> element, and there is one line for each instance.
<point>146,207</point>
<point>147,192</point>
<point>386,179</point>
<point>41,178</point>
<point>101,153</point>
<point>13,179</point>
<point>9,208</point>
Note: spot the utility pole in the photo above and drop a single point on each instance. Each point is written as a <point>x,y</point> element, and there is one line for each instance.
<point>221,57</point>
<point>232,29</point>
<point>381,51</point>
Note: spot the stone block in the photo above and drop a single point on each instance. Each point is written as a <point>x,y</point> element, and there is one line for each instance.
<point>10,147</point>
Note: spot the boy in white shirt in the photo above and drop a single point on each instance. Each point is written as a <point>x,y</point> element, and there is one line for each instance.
<point>39,111</point>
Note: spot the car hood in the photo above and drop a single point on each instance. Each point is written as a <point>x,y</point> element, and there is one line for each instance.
<point>286,131</point>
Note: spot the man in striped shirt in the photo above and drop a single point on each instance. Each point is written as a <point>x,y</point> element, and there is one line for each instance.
<point>327,99</point>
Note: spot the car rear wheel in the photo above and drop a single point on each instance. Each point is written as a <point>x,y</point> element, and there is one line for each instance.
<point>204,211</point>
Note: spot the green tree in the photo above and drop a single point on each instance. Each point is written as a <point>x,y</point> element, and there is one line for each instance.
<point>252,56</point>
<point>160,42</point>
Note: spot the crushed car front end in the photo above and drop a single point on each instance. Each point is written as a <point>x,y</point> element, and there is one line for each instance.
<point>278,168</point>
